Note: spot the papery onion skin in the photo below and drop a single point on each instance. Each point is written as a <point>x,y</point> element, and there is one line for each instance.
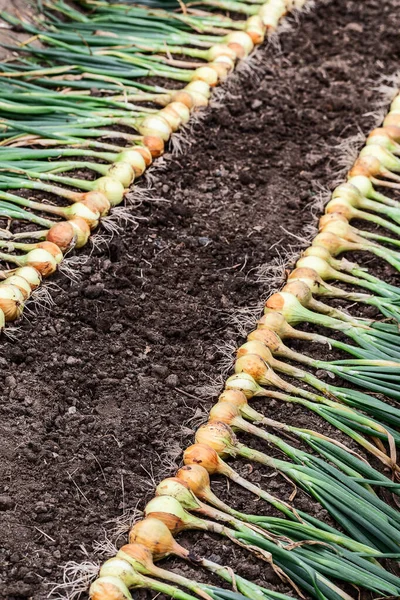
<point>204,455</point>
<point>155,126</point>
<point>21,283</point>
<point>53,249</point>
<point>31,275</point>
<point>42,261</point>
<point>109,588</point>
<point>123,172</point>
<point>155,144</point>
<point>11,301</point>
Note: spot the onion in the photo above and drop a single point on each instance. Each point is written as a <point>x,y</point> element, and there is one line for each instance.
<point>224,412</point>
<point>156,126</point>
<point>172,117</point>
<point>225,62</point>
<point>240,42</point>
<point>386,137</point>
<point>205,456</point>
<point>155,144</point>
<point>318,264</point>
<point>69,234</point>
<point>117,567</point>
<point>200,93</point>
<point>97,201</point>
<point>272,12</point>
<point>199,87</point>
<point>11,301</point>
<point>41,260</point>
<point>109,588</point>
<point>221,69</point>
<point>53,249</point>
<point>254,347</point>
<point>218,436</point>
<point>111,188</point>
<point>122,172</point>
<point>154,534</point>
<point>363,184</point>
<point>206,74</point>
<point>334,216</point>
<point>255,29</point>
<point>300,290</point>
<point>136,554</point>
<point>183,97</point>
<point>267,337</point>
<point>137,159</point>
<point>20,283</point>
<point>197,479</point>
<point>86,210</point>
<point>367,166</point>
<point>30,274</point>
<point>395,105</point>
<point>235,397</point>
<point>172,486</point>
<point>220,50</point>
<point>170,512</point>
<point>309,277</point>
<point>253,364</point>
<point>181,109</point>
<point>244,383</point>
<point>392,119</point>
<point>330,242</point>
<point>387,159</point>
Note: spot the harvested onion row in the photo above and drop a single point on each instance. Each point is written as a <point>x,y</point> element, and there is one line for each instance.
<point>305,552</point>
<point>51,123</point>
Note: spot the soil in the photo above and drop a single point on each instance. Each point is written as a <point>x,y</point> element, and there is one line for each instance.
<point>103,390</point>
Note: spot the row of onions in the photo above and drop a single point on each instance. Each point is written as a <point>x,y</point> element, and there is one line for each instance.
<point>311,556</point>
<point>82,115</point>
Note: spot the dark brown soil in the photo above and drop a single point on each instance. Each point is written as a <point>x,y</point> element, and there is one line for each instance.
<point>101,393</point>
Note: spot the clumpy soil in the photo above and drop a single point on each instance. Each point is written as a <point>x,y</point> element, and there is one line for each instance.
<point>103,390</point>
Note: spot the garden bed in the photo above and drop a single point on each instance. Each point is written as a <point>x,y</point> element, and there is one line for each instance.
<point>100,392</point>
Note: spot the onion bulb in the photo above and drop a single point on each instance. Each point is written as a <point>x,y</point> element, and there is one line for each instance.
<point>69,234</point>
<point>267,337</point>
<point>117,567</point>
<point>243,382</point>
<point>205,456</point>
<point>156,126</point>
<point>218,436</point>
<point>183,97</point>
<point>109,588</point>
<point>30,274</point>
<point>41,260</point>
<point>197,479</point>
<point>175,488</point>
<point>155,144</point>
<point>240,42</point>
<point>155,535</point>
<point>11,301</point>
<point>220,50</point>
<point>20,283</point>
<point>170,512</point>
<point>206,74</point>
<point>123,172</point>
<point>272,12</point>
<point>137,159</point>
<point>255,28</point>
<point>111,188</point>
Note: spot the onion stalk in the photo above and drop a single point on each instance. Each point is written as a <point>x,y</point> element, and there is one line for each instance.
<point>344,418</point>
<point>341,567</point>
<point>358,511</point>
<point>168,510</point>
